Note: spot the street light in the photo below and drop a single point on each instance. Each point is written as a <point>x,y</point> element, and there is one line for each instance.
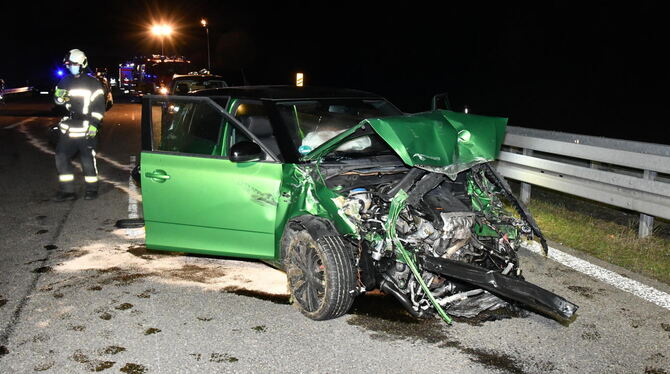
<point>162,31</point>
<point>203,22</point>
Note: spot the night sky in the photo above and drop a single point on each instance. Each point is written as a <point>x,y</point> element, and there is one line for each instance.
<point>591,68</point>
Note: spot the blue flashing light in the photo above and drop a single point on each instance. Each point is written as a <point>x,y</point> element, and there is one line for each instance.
<point>59,72</point>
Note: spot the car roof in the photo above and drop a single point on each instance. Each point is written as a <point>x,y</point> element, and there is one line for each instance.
<point>195,75</point>
<point>286,92</point>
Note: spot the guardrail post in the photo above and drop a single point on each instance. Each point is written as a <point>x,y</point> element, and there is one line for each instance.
<point>646,222</point>
<point>525,187</point>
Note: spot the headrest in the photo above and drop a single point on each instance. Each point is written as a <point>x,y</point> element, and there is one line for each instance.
<point>182,88</point>
<point>259,126</point>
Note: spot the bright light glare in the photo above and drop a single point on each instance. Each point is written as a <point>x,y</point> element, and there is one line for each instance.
<point>161,30</point>
<point>163,90</point>
<point>203,22</point>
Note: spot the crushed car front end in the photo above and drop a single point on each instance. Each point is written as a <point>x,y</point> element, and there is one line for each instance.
<point>425,219</point>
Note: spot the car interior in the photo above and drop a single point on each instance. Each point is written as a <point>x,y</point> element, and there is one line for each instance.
<point>260,126</point>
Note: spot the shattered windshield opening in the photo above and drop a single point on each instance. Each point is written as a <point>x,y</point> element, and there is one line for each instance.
<point>361,147</point>
<point>313,122</point>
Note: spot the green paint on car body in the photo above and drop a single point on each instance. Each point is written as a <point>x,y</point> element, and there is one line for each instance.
<point>434,141</point>
<point>282,192</point>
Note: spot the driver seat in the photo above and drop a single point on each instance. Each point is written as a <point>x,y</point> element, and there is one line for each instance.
<point>261,127</point>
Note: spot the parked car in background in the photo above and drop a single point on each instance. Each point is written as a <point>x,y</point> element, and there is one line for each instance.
<point>183,84</point>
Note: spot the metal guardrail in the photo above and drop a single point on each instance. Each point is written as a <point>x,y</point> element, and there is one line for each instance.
<point>627,174</point>
<point>9,91</point>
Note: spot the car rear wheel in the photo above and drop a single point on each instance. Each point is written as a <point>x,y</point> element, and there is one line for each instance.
<point>320,273</point>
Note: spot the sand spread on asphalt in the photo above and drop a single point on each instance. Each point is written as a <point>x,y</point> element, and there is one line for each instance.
<point>178,269</point>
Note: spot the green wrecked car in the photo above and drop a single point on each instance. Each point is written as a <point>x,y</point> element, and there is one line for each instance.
<point>343,192</point>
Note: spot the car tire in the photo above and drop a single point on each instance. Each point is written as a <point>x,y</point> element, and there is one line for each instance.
<point>319,271</point>
<point>136,174</point>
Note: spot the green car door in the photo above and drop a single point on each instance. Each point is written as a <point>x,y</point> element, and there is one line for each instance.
<point>195,198</point>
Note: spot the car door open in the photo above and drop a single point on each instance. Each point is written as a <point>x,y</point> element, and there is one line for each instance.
<point>195,198</point>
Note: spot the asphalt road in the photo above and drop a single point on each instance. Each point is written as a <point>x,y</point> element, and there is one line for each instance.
<point>79,295</point>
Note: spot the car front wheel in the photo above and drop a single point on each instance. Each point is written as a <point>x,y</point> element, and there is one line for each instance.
<point>320,273</point>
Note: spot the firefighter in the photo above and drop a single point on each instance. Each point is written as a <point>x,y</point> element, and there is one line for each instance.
<point>84,98</point>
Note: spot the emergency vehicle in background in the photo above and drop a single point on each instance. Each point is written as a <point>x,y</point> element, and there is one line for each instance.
<point>150,75</point>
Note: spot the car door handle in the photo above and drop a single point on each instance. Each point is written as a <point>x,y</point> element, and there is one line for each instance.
<point>158,175</point>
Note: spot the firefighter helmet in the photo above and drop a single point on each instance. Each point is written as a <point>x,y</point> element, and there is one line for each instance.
<point>76,56</point>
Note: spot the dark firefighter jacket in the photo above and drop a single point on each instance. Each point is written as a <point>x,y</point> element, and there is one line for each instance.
<point>84,97</point>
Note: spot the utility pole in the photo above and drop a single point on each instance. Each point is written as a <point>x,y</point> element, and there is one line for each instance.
<point>204,24</point>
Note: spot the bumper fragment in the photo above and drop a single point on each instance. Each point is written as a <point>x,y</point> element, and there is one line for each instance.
<point>501,285</point>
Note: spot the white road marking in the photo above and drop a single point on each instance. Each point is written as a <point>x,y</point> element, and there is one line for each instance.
<point>114,163</point>
<point>132,205</point>
<point>42,146</point>
<point>638,289</point>
<point>101,156</point>
<point>19,123</point>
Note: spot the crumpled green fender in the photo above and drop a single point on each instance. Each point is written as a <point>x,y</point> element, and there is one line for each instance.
<point>303,192</point>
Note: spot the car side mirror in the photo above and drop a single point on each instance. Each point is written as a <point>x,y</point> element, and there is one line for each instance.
<point>245,151</point>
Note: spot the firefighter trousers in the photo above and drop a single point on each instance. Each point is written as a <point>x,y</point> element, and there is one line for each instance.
<point>66,149</point>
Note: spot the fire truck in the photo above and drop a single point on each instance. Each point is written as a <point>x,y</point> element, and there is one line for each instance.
<point>146,75</point>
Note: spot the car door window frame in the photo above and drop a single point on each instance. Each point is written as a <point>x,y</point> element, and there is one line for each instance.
<point>233,107</point>
<point>147,124</point>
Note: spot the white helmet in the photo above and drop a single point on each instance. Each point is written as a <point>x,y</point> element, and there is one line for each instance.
<point>77,57</point>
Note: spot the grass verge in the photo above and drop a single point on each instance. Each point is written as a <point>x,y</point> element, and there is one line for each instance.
<point>604,232</point>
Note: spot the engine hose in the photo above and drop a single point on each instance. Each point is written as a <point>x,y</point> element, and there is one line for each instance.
<point>397,204</point>
<point>391,289</point>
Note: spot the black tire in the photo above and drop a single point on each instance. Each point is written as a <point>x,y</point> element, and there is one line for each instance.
<point>320,272</point>
<point>136,174</point>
